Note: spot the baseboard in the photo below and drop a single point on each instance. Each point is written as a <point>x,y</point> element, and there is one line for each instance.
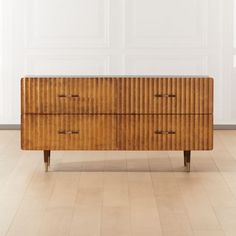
<point>225,127</point>
<point>17,127</point>
<point>9,127</point>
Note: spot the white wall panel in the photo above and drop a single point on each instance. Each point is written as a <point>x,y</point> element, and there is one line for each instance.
<point>67,65</point>
<point>158,23</point>
<point>95,37</point>
<point>166,65</point>
<point>67,23</point>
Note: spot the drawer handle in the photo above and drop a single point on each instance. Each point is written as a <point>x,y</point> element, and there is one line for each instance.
<point>68,96</point>
<point>165,132</point>
<point>68,132</point>
<point>165,95</point>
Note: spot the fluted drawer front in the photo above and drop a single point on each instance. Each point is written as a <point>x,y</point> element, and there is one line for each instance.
<point>68,95</point>
<point>68,132</point>
<point>165,132</point>
<point>165,95</point>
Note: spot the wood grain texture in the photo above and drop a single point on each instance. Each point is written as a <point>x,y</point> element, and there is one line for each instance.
<point>150,184</point>
<point>117,95</point>
<point>68,132</point>
<point>117,113</point>
<point>68,95</point>
<point>165,132</point>
<point>157,95</point>
<point>124,132</point>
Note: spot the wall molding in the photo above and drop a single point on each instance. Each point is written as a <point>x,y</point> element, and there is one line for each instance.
<point>58,64</point>
<point>197,62</point>
<point>36,39</point>
<point>198,39</point>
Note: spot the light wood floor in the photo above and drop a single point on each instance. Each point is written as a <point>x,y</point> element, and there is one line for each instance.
<point>118,193</point>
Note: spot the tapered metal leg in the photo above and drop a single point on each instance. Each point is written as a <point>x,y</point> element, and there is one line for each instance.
<point>187,159</point>
<point>46,159</point>
<point>49,159</point>
<point>46,167</point>
<point>188,166</point>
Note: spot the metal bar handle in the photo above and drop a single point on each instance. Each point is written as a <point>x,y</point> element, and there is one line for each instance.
<point>165,95</point>
<point>68,96</point>
<point>68,132</point>
<point>165,132</point>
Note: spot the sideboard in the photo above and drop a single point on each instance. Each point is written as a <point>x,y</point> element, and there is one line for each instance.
<point>117,113</point>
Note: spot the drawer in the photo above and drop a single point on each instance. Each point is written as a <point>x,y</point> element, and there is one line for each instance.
<point>68,132</point>
<point>68,95</point>
<point>165,95</point>
<point>165,132</point>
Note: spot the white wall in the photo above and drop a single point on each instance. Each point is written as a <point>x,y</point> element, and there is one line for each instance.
<point>111,37</point>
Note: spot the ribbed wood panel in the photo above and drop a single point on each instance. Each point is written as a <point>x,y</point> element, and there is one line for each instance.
<point>68,95</point>
<point>117,113</point>
<point>165,95</point>
<point>186,132</point>
<point>125,95</point>
<point>48,132</point>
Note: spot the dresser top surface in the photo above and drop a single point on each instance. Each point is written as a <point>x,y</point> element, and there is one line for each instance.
<point>116,76</point>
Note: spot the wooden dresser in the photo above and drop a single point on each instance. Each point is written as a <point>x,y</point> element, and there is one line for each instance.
<point>117,113</point>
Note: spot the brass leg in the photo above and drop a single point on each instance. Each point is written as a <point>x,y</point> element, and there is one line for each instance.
<point>187,159</point>
<point>46,159</point>
<point>188,166</point>
<point>46,167</point>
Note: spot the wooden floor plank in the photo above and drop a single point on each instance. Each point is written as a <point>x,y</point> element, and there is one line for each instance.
<point>118,193</point>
